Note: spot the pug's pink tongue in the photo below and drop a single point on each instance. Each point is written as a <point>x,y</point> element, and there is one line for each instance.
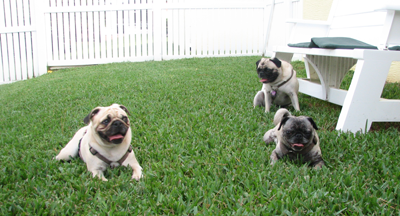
<point>298,145</point>
<point>114,137</point>
<point>263,80</point>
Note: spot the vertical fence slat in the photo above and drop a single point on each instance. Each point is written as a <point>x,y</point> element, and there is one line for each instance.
<point>79,36</point>
<point>175,29</point>
<point>90,35</point>
<point>164,33</point>
<point>1,59</point>
<point>85,39</point>
<point>108,32</point>
<point>54,40</point>
<point>181,23</point>
<point>48,28</point>
<point>16,42</point>
<point>170,31</point>
<point>96,34</point>
<point>29,52</point>
<point>224,48</point>
<point>192,39</point>
<point>4,56</point>
<point>211,34</point>
<point>60,28</point>
<point>149,30</point>
<point>38,37</point>
<point>126,33</point>
<point>144,33</point>
<point>6,59</point>
<point>114,33</point>
<point>204,33</point>
<point>22,56</point>
<point>9,44</point>
<point>187,32</point>
<point>73,26</point>
<point>10,54</point>
<point>120,34</point>
<point>138,34</point>
<point>102,33</point>
<point>132,47</point>
<point>67,31</point>
<point>215,33</point>
<point>21,39</point>
<point>3,62</point>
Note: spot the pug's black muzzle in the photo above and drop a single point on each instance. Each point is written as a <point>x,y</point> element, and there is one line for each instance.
<point>115,132</point>
<point>267,75</point>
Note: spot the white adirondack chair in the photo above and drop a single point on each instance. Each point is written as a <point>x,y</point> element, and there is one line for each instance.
<point>376,23</point>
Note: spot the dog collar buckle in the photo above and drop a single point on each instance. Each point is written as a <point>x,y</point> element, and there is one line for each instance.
<point>130,149</point>
<point>92,150</point>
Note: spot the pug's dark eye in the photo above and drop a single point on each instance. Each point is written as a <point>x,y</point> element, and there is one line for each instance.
<point>106,121</point>
<point>125,119</point>
<point>289,133</point>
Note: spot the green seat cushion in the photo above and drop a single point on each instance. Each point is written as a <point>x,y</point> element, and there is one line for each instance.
<point>394,48</point>
<point>334,43</point>
<point>302,45</point>
<point>340,43</point>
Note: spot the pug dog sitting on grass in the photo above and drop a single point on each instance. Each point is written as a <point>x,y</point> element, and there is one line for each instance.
<point>295,137</point>
<point>280,85</point>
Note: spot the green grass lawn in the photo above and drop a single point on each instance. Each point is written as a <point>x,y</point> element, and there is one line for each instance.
<point>197,137</point>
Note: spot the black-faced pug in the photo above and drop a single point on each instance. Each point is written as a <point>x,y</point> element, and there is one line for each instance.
<point>295,137</point>
<point>104,142</point>
<point>280,85</point>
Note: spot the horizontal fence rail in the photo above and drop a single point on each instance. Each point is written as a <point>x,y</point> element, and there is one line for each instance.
<point>35,34</point>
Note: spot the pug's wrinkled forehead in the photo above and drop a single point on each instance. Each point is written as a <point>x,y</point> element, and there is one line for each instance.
<point>269,63</point>
<point>117,109</point>
<point>114,110</point>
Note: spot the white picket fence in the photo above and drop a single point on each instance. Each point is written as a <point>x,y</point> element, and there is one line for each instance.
<point>35,34</point>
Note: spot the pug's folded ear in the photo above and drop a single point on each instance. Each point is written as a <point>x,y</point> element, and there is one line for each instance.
<point>312,123</point>
<point>277,62</point>
<point>124,109</point>
<point>87,119</point>
<point>283,121</point>
<point>258,62</point>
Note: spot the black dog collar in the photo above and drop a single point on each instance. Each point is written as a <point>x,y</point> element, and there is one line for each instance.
<point>101,157</point>
<point>291,75</point>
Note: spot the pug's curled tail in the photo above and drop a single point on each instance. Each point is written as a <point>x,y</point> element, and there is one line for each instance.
<point>282,112</point>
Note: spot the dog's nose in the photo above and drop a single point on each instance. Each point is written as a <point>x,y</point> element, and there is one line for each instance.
<point>116,123</point>
<point>298,135</point>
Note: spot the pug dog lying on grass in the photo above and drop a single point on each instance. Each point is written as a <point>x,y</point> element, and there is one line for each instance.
<point>295,137</point>
<point>280,85</point>
<point>104,142</point>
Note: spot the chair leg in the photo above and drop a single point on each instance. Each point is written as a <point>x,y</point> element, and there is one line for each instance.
<point>362,103</point>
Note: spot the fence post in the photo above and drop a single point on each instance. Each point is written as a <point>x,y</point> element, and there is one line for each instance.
<point>269,24</point>
<point>157,30</point>
<point>39,37</point>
